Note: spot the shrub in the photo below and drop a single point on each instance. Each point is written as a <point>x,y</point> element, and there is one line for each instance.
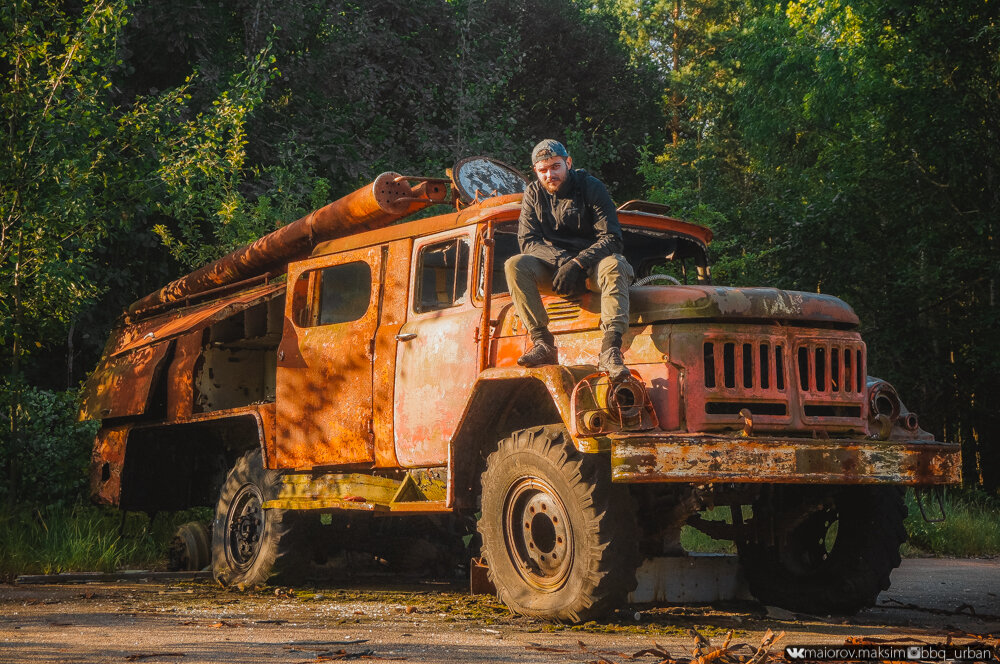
<point>54,448</point>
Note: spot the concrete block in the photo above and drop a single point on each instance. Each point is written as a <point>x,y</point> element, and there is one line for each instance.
<point>694,578</point>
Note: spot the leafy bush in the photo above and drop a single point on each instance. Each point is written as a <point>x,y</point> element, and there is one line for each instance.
<point>52,451</point>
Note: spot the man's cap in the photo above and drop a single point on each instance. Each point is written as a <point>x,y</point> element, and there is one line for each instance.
<point>546,150</point>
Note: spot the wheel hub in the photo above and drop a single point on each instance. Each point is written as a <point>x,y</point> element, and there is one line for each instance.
<point>538,536</point>
<point>245,526</point>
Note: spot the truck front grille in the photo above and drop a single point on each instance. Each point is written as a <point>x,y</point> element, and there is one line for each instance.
<point>784,379</point>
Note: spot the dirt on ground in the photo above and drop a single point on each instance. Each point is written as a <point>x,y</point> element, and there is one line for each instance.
<point>931,602</point>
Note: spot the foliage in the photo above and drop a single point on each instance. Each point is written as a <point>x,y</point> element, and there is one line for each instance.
<point>200,164</point>
<point>77,167</point>
<point>79,538</point>
<point>849,148</point>
<point>55,453</point>
<point>971,526</point>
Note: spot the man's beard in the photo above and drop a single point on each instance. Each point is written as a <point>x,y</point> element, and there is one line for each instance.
<point>553,186</point>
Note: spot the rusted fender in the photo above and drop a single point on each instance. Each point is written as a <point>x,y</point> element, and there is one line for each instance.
<point>662,303</point>
<point>713,458</point>
<point>136,352</point>
<point>559,382</point>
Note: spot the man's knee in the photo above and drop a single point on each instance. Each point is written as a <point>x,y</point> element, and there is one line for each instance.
<point>516,265</point>
<point>614,270</point>
<point>526,266</point>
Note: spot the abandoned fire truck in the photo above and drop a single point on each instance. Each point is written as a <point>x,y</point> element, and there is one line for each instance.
<point>353,374</point>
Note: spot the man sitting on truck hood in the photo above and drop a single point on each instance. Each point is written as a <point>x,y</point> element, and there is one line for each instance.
<point>568,232</point>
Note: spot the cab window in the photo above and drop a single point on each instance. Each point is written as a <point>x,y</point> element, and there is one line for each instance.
<point>442,275</point>
<point>332,295</point>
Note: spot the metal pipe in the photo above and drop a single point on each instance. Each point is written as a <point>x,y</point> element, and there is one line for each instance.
<point>486,326</point>
<point>387,199</point>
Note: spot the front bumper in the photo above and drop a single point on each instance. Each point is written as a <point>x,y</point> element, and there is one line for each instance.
<point>645,457</point>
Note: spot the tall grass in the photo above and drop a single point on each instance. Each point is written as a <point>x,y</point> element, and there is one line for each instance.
<point>971,527</point>
<point>51,540</point>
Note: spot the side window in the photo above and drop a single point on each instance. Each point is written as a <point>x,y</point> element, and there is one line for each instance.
<point>442,275</point>
<point>337,294</point>
<point>504,246</point>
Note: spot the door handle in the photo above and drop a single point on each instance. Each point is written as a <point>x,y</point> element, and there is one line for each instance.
<point>406,336</point>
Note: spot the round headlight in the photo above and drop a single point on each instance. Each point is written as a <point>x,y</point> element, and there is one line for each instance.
<point>883,400</point>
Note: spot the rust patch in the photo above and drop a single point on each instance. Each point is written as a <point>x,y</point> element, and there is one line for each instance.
<point>324,375</point>
<point>121,384</point>
<point>106,464</point>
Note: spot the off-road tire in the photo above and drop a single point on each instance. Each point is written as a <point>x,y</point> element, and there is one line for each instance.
<point>802,576</point>
<point>250,545</point>
<point>562,502</point>
<point>190,548</point>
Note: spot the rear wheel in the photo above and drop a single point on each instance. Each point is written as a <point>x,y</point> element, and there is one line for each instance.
<point>831,553</point>
<point>190,548</point>
<point>559,538</point>
<point>252,545</point>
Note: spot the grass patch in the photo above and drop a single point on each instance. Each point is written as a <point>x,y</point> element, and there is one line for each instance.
<point>971,529</point>
<point>84,538</point>
<point>695,541</point>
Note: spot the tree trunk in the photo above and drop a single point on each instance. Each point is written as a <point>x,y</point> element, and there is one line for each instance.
<point>675,97</point>
<point>17,391</point>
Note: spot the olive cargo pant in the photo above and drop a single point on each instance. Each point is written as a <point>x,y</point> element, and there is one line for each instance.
<point>611,277</point>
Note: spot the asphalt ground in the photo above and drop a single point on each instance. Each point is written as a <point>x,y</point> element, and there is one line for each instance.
<point>930,602</point>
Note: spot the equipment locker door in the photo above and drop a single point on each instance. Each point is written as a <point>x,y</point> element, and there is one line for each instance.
<point>324,381</point>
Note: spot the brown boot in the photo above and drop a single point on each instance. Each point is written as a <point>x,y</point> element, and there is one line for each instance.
<point>612,362</point>
<point>540,354</point>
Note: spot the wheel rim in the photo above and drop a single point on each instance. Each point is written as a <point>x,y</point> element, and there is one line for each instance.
<point>810,546</point>
<point>244,527</point>
<point>537,533</point>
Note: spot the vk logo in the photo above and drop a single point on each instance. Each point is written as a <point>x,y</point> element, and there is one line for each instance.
<point>795,653</point>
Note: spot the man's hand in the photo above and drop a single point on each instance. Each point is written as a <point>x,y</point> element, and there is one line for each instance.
<point>570,278</point>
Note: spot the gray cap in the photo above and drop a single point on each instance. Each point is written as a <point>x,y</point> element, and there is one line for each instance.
<point>546,150</point>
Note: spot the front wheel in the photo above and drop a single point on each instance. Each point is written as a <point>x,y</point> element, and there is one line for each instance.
<point>558,536</point>
<point>251,545</point>
<point>832,553</point>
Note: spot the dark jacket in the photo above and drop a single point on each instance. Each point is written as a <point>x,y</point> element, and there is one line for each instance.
<point>578,221</point>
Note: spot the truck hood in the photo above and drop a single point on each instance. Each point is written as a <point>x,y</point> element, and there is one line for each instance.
<point>661,303</point>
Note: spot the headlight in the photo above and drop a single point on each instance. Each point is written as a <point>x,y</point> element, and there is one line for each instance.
<point>600,406</point>
<point>882,400</point>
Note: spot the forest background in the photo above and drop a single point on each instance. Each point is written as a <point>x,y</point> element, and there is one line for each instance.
<point>849,148</point>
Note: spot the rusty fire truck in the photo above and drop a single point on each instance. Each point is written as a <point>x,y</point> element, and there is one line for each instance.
<point>358,365</point>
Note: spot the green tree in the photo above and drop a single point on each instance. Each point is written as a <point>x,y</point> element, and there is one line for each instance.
<point>75,167</point>
<point>852,150</point>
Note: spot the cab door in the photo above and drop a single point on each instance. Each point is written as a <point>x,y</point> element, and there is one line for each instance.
<point>436,352</point>
<point>324,377</point>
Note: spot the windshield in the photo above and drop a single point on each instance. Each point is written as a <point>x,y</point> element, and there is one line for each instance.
<point>649,251</point>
